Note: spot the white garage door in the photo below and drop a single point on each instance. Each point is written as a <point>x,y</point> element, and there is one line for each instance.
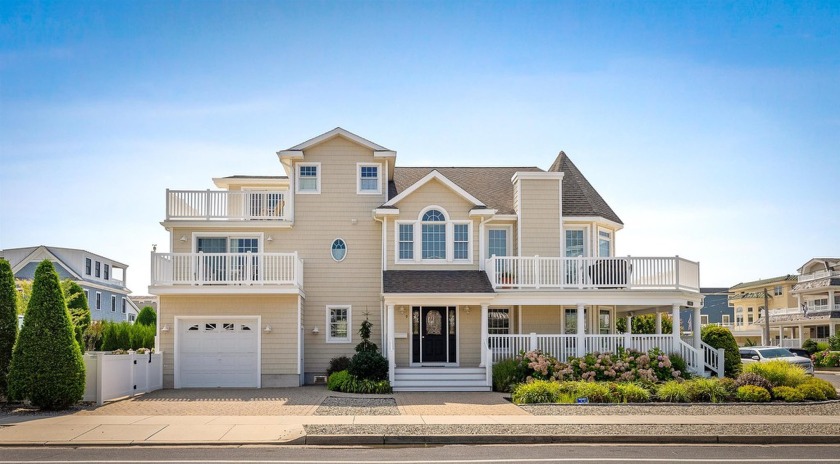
<point>218,352</point>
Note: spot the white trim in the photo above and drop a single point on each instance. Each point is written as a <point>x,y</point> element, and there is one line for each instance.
<point>596,219</point>
<point>251,182</point>
<point>417,238</point>
<point>328,329</point>
<point>379,170</point>
<point>346,250</point>
<point>386,212</point>
<point>598,243</point>
<point>260,236</point>
<point>442,179</point>
<point>176,324</point>
<point>318,175</point>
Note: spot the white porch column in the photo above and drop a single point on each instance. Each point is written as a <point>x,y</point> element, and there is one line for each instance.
<point>484,308</point>
<point>581,328</point>
<point>675,325</point>
<point>696,327</point>
<point>831,328</point>
<point>781,334</point>
<point>801,335</point>
<point>628,334</point>
<point>658,323</point>
<point>392,363</point>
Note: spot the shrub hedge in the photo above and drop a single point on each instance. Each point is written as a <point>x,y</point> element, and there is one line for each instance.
<point>788,394</point>
<point>778,373</point>
<point>753,394</point>
<point>8,320</point>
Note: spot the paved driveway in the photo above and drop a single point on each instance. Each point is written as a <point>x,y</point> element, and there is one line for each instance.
<point>299,401</point>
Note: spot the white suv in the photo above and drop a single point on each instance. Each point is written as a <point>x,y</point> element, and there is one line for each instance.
<point>751,354</point>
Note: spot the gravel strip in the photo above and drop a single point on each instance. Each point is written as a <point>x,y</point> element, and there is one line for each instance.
<point>345,406</point>
<point>574,429</point>
<point>831,408</point>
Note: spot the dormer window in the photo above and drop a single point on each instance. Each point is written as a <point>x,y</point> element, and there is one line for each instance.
<point>368,178</point>
<point>308,178</point>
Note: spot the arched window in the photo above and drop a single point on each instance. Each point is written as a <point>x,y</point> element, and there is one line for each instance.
<point>434,235</point>
<point>338,250</point>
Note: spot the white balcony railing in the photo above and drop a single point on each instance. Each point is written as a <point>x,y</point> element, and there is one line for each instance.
<point>818,275</point>
<point>785,312</point>
<point>227,269</point>
<point>517,272</point>
<point>223,205</point>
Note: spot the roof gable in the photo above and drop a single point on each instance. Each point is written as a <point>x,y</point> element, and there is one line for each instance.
<point>435,175</point>
<point>41,253</point>
<point>298,149</point>
<point>579,197</point>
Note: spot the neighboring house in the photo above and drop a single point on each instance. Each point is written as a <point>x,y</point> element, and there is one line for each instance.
<point>456,267</point>
<point>748,299</point>
<point>814,312</point>
<point>102,279</point>
<point>141,301</point>
<point>715,311</point>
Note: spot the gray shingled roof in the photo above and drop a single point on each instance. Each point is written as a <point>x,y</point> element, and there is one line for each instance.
<point>754,283</point>
<point>436,282</point>
<point>493,187</point>
<point>579,197</point>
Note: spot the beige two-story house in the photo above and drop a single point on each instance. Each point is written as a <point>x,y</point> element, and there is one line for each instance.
<point>269,277</point>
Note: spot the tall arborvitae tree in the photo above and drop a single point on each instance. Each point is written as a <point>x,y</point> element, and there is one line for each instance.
<point>77,304</point>
<point>8,320</point>
<point>47,367</point>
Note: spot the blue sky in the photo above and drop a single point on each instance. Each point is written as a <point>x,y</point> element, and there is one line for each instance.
<point>711,128</point>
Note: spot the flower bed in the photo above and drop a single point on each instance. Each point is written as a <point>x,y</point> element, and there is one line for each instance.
<point>634,377</point>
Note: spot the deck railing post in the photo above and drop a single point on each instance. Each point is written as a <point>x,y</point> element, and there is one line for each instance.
<point>533,342</point>
<point>720,362</point>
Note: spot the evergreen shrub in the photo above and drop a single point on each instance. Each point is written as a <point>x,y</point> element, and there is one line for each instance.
<point>506,375</point>
<point>752,394</point>
<point>337,364</point>
<point>336,380</point>
<point>47,367</point>
<point>778,373</point>
<point>720,337</point>
<point>8,320</point>
<point>751,378</point>
<point>788,394</point>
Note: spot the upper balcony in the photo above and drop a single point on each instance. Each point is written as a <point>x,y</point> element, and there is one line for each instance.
<point>226,273</point>
<point>818,275</point>
<point>586,273</point>
<point>225,205</point>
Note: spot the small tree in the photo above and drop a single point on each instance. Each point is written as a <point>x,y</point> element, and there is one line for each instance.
<point>147,316</point>
<point>367,363</point>
<point>47,366</point>
<point>720,337</point>
<point>8,320</point>
<point>77,304</point>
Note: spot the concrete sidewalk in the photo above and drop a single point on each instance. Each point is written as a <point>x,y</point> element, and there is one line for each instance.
<point>88,430</point>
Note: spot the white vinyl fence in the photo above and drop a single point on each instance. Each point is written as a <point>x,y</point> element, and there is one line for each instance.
<point>112,376</point>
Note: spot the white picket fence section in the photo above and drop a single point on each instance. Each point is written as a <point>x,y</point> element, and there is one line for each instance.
<point>112,376</point>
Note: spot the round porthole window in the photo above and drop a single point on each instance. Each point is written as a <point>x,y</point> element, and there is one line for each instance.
<point>338,249</point>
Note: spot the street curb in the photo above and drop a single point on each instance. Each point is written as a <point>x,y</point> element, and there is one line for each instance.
<point>416,440</point>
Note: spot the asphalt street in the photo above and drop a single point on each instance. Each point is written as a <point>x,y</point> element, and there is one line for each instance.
<point>451,454</point>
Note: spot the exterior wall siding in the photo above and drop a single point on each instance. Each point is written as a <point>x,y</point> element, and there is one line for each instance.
<point>540,214</point>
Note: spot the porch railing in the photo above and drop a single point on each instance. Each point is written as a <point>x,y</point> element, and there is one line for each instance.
<point>221,205</point>
<point>713,358</point>
<point>227,269</point>
<point>818,275</point>
<point>564,346</point>
<point>535,272</point>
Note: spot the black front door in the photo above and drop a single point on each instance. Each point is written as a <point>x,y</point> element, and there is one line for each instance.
<point>433,334</point>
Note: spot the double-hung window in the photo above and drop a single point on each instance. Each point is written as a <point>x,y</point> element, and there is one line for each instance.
<point>497,242</point>
<point>308,177</point>
<point>338,324</point>
<point>98,301</point>
<point>113,303</point>
<point>406,241</point>
<point>87,266</point>
<point>604,243</point>
<point>123,305</point>
<point>461,241</point>
<point>434,235</point>
<point>604,323</point>
<point>107,273</point>
<point>96,269</point>
<point>368,178</point>
<point>498,321</point>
